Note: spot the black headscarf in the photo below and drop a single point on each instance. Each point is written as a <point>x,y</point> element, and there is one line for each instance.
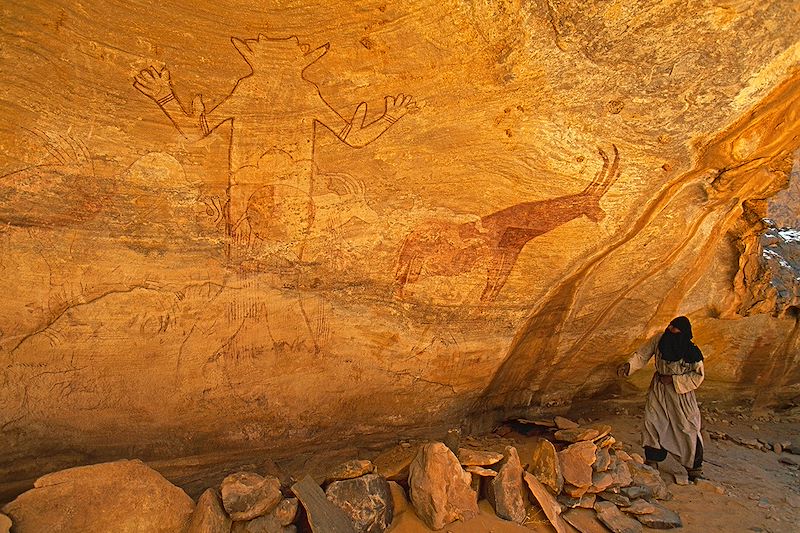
<point>679,346</point>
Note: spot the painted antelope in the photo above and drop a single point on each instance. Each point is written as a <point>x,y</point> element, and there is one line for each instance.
<point>448,248</point>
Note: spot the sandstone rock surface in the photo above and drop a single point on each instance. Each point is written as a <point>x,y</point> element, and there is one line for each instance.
<point>120,496</point>
<point>367,500</point>
<point>440,490</point>
<point>507,492</point>
<point>209,515</point>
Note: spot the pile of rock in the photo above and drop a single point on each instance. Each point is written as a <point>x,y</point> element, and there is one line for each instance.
<point>582,476</point>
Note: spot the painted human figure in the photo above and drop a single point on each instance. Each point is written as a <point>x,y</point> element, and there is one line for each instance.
<point>273,113</point>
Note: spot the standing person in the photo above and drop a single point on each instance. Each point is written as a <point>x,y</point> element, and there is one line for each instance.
<point>672,418</point>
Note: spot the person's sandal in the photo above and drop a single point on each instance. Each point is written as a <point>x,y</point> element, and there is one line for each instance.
<point>695,474</point>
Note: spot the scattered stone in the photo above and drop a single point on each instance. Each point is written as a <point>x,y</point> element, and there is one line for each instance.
<point>648,477</point>
<point>5,523</point>
<point>678,471</point>
<point>636,491</point>
<point>507,493</point>
<point>547,502</point>
<point>576,463</point>
<point>323,516</point>
<point>350,470</point>
<point>546,466</point>
<point>660,518</point>
<point>480,471</point>
<point>764,503</point>
<point>576,434</point>
<point>440,489</point>
<point>393,463</point>
<point>568,501</point>
<point>286,511</point>
<point>792,499</point>
<point>209,516</point>
<point>708,486</point>
<point>367,500</point>
<point>617,499</point>
<point>789,459</point>
<point>637,458</point>
<point>574,492</point>
<point>603,430</point>
<point>639,507</point>
<point>600,482</point>
<point>602,460</point>
<point>777,448</point>
<point>621,473</point>
<point>469,457</point>
<point>584,521</point>
<point>246,495</point>
<point>588,501</point>
<point>565,423</point>
<point>605,442</point>
<point>615,520</point>
<point>622,455</point>
<point>117,496</point>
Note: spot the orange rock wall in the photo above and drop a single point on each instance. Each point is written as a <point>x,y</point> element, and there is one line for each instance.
<point>272,223</point>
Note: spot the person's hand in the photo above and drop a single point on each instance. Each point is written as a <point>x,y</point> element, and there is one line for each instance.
<point>665,379</point>
<point>154,83</point>
<point>623,370</point>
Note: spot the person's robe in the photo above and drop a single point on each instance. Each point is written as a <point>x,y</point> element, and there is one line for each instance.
<point>671,417</point>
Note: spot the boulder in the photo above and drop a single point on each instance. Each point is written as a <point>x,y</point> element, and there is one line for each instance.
<point>440,489</point>
<point>615,520</point>
<point>117,496</point>
<point>393,463</point>
<point>367,500</point>
<point>506,492</point>
<point>349,470</point>
<point>209,515</point>
<point>546,466</point>
<point>576,463</point>
<point>546,501</point>
<point>246,495</point>
<point>468,457</point>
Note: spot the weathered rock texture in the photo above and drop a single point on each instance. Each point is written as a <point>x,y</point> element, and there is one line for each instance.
<point>306,238</point>
<point>121,496</point>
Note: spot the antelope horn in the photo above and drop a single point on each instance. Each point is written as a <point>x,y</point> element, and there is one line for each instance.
<point>613,174</point>
<point>594,185</point>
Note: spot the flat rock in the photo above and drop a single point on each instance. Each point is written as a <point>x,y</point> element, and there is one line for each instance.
<point>468,457</point>
<point>480,471</point>
<point>587,501</point>
<point>605,442</point>
<point>615,520</point>
<point>367,500</point>
<point>639,506</point>
<point>585,521</point>
<point>350,469</point>
<point>601,481</point>
<point>634,492</point>
<point>648,477</point>
<point>789,459</point>
<point>209,516</point>
<point>548,502</point>
<point>246,495</point>
<point>621,473</point>
<point>538,422</point>
<point>660,518</point>
<point>617,499</point>
<point>117,496</point>
<point>574,492</point>
<point>602,431</point>
<point>565,423</point>
<point>576,463</point>
<point>602,460</point>
<point>323,516</point>
<point>576,434</point>
<point>546,466</point>
<point>440,489</point>
<point>507,493</point>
